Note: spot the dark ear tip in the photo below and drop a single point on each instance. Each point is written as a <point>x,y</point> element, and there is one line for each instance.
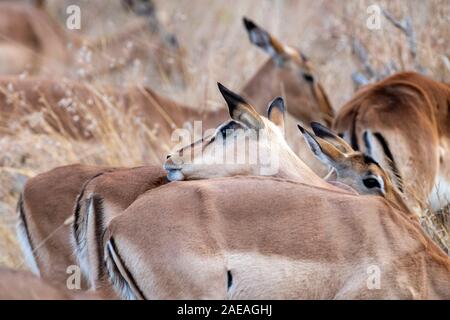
<point>302,130</point>
<point>316,125</point>
<point>230,97</point>
<point>224,90</point>
<point>277,103</point>
<point>319,129</point>
<point>249,24</point>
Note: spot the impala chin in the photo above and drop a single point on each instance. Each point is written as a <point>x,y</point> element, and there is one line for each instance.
<point>174,174</point>
<point>173,169</point>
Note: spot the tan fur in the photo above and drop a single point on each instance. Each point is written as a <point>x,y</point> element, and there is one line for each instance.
<point>20,285</point>
<point>411,111</point>
<point>47,202</point>
<point>294,241</point>
<point>109,194</point>
<point>306,101</point>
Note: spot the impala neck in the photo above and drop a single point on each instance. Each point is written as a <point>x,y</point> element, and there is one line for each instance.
<point>292,167</point>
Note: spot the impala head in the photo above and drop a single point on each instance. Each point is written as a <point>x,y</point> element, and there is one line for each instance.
<point>246,144</point>
<point>353,168</point>
<point>291,72</point>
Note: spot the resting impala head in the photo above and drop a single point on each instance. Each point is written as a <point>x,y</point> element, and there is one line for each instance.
<point>289,72</point>
<point>353,168</point>
<point>246,144</point>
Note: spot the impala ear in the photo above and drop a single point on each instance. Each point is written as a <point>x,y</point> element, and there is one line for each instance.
<point>323,150</point>
<point>327,134</point>
<point>263,39</point>
<point>277,112</point>
<point>240,110</point>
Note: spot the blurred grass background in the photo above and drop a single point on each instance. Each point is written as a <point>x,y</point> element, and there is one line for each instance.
<point>217,49</point>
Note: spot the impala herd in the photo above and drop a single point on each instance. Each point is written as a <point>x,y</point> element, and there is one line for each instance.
<point>313,205</point>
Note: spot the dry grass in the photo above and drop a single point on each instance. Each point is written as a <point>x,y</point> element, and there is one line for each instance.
<point>218,50</point>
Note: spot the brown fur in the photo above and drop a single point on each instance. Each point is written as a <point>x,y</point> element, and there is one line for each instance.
<point>411,111</point>
<point>114,191</point>
<point>288,73</point>
<point>301,99</point>
<point>293,242</point>
<point>48,201</point>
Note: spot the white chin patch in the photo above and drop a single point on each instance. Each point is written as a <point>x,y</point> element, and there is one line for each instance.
<point>175,175</point>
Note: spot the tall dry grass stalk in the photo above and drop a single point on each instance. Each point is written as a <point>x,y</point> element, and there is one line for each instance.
<point>217,50</point>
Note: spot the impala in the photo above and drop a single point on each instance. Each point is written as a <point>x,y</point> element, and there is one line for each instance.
<point>353,168</point>
<point>408,116</point>
<point>108,195</point>
<point>270,238</point>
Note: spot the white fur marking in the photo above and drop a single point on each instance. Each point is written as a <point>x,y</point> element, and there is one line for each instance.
<point>25,245</point>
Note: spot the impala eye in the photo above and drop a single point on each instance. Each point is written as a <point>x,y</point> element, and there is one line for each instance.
<point>224,131</point>
<point>228,129</point>
<point>371,183</point>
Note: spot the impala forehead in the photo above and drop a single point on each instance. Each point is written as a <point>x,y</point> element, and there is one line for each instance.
<point>363,161</point>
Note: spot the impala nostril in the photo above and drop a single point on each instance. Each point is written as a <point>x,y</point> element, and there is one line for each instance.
<point>168,156</point>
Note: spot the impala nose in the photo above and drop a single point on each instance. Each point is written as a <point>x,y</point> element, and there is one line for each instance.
<point>168,156</point>
<point>172,164</point>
